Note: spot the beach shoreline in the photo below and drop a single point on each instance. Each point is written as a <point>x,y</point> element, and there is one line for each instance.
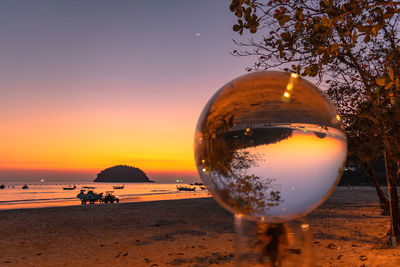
<point>188,232</point>
<point>53,195</point>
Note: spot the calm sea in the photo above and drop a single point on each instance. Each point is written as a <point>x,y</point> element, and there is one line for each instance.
<point>52,195</point>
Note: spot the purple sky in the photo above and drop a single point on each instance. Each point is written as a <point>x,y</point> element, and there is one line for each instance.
<point>85,85</point>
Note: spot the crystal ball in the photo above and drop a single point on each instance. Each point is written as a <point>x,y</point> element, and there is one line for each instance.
<point>270,146</point>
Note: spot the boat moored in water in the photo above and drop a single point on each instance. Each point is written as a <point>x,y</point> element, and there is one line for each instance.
<point>185,188</point>
<point>70,188</point>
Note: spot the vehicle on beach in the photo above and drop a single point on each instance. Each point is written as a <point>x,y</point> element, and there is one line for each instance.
<point>119,186</point>
<point>90,196</point>
<point>185,188</point>
<point>69,188</point>
<point>93,197</point>
<point>110,198</point>
<point>25,186</point>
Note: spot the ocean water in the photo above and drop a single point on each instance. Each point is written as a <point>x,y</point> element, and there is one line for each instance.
<point>52,195</point>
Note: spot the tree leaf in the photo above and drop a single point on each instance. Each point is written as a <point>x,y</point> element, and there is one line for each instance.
<point>334,48</point>
<point>354,37</point>
<point>388,85</point>
<point>391,73</point>
<point>236,27</point>
<point>381,81</point>
<point>374,31</point>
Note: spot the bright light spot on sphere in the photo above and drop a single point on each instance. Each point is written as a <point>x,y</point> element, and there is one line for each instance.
<point>305,227</point>
<point>290,160</point>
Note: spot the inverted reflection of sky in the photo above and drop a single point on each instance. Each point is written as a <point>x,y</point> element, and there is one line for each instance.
<point>305,167</point>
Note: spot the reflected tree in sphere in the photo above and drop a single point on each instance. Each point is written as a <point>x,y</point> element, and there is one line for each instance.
<point>269,145</point>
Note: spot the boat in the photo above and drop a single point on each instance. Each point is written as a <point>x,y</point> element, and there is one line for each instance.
<point>202,187</point>
<point>119,186</point>
<point>89,187</point>
<point>70,188</point>
<point>2,186</point>
<point>185,188</point>
<point>25,186</point>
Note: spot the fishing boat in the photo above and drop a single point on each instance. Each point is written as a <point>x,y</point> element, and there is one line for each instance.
<point>2,186</point>
<point>25,186</point>
<point>119,186</point>
<point>185,188</point>
<point>202,187</point>
<point>70,188</point>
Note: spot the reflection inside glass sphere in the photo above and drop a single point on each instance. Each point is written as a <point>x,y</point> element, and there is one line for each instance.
<point>270,145</point>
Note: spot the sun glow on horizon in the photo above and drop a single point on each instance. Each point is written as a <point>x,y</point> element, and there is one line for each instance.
<point>84,90</point>
<point>98,139</point>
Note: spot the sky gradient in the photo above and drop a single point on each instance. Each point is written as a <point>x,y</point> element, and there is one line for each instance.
<point>85,85</point>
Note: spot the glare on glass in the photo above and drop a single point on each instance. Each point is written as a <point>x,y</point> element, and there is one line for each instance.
<point>270,146</point>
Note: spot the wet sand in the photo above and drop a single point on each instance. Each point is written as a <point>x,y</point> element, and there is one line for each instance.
<point>190,232</point>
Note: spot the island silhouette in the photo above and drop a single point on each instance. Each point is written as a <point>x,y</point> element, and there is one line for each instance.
<point>122,174</point>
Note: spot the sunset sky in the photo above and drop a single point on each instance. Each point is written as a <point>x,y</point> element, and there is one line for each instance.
<point>85,85</point>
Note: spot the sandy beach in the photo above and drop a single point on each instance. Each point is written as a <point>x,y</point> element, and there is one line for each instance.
<point>189,232</point>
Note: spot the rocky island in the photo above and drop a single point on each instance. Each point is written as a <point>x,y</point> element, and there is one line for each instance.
<point>122,174</point>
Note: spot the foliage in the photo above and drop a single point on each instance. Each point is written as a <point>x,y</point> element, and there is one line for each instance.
<point>314,36</point>
<point>228,160</point>
<point>353,45</point>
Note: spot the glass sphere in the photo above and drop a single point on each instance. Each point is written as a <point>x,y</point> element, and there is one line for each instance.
<point>270,146</point>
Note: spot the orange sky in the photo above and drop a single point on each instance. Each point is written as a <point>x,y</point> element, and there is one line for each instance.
<point>98,138</point>
<point>83,87</point>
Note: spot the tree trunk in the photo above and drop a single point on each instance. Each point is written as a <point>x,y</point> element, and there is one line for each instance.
<point>393,197</point>
<point>398,169</point>
<point>383,200</point>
